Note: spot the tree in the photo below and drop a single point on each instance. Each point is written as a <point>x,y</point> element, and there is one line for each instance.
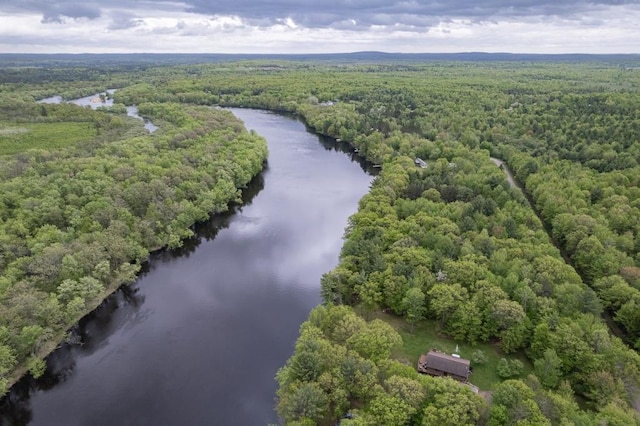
<point>548,368</point>
<point>8,360</point>
<point>414,306</point>
<point>453,405</point>
<point>410,391</point>
<point>359,376</point>
<point>36,366</point>
<point>370,295</point>
<point>375,341</point>
<point>444,299</point>
<point>515,400</point>
<point>618,294</point>
<point>479,357</point>
<point>466,323</point>
<point>75,309</point>
<point>516,366</point>
<point>333,285</point>
<point>631,274</point>
<point>614,415</point>
<point>590,258</point>
<point>87,289</point>
<point>304,401</point>
<point>498,416</point>
<point>390,410</point>
<point>312,356</point>
<point>29,339</point>
<point>348,326</point>
<point>629,316</point>
<point>331,384</point>
<point>507,313</point>
<point>504,368</point>
<point>604,387</point>
<point>394,289</point>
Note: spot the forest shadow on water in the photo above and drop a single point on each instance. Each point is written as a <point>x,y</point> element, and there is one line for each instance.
<point>92,331</point>
<point>200,335</point>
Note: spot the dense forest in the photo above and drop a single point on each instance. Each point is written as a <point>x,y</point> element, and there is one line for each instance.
<point>541,287</point>
<point>93,194</point>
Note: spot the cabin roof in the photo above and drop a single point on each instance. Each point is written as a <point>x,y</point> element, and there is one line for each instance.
<point>447,363</point>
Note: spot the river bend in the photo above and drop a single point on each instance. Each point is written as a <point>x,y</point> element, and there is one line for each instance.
<point>200,336</point>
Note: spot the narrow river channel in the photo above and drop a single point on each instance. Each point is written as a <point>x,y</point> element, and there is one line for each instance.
<point>96,101</point>
<point>197,340</point>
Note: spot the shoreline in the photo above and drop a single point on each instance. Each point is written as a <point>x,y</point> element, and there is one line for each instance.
<point>21,371</point>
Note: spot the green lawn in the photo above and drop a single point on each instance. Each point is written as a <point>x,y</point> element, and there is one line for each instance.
<point>425,336</point>
<point>19,137</point>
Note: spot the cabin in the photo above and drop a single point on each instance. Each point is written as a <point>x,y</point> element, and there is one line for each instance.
<point>439,364</point>
<point>421,163</point>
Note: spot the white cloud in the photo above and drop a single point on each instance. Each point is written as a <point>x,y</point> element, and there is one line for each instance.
<point>172,28</point>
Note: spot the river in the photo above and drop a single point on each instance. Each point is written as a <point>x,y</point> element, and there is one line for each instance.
<point>199,337</point>
<point>95,101</point>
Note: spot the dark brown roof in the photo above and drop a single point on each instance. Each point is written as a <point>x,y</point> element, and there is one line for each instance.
<point>447,363</point>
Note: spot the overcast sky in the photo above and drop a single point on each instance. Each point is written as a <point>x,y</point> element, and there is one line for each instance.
<point>319,26</point>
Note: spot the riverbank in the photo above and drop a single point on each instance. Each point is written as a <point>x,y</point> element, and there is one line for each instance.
<point>119,206</point>
<point>242,287</point>
<point>94,305</point>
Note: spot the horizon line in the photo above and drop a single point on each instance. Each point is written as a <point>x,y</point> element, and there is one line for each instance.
<point>325,53</point>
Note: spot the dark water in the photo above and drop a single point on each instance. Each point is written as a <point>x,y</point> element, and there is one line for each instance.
<point>197,340</point>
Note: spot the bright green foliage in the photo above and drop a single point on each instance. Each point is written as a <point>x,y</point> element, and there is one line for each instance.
<point>414,305</point>
<point>7,361</point>
<point>36,366</point>
<point>452,405</point>
<point>455,231</point>
<point>390,410</point>
<point>513,403</point>
<point>375,341</point>
<point>387,392</point>
<point>20,137</point>
<point>479,357</point>
<point>358,376</point>
<point>615,415</point>
<point>548,368</point>
<point>77,219</point>
<point>507,369</point>
<point>306,402</point>
<point>408,390</point>
<point>444,299</point>
<point>87,288</point>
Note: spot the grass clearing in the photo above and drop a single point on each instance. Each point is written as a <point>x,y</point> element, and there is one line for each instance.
<point>20,137</point>
<point>425,336</point>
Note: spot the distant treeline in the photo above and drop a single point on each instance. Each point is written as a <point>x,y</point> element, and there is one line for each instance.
<point>136,60</point>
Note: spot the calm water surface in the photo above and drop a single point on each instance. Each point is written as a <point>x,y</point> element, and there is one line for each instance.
<point>197,340</point>
<point>94,101</point>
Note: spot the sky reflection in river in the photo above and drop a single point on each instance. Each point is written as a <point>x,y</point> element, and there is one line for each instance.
<point>199,337</point>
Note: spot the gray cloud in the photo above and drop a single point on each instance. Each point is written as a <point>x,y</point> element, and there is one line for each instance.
<point>54,11</point>
<point>323,14</point>
<point>58,11</point>
<point>417,13</point>
<point>123,21</point>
